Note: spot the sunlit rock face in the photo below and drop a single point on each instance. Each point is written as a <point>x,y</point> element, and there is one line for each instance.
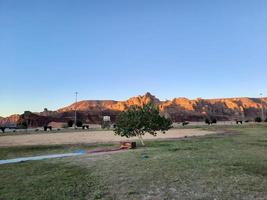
<point>178,109</point>
<point>141,100</point>
<point>10,120</point>
<point>99,105</point>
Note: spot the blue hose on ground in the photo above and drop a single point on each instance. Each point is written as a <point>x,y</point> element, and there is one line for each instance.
<point>23,159</point>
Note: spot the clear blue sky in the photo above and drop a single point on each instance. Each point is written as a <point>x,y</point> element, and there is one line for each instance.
<point>115,49</point>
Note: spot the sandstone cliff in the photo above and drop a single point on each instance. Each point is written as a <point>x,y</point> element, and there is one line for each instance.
<point>179,109</point>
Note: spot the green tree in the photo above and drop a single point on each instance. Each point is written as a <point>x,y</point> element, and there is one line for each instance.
<point>70,123</point>
<point>207,121</point>
<point>79,123</point>
<point>23,124</point>
<point>137,121</point>
<point>214,121</point>
<point>258,119</point>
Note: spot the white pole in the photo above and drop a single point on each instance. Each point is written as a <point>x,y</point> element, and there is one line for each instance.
<point>262,113</point>
<point>75,115</point>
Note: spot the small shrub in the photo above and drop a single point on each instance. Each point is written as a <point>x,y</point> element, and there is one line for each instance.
<point>213,121</point>
<point>210,121</point>
<point>185,123</point>
<point>70,123</point>
<point>47,127</point>
<point>2,129</point>
<point>258,119</point>
<point>79,123</point>
<point>207,121</point>
<point>23,124</point>
<point>85,126</point>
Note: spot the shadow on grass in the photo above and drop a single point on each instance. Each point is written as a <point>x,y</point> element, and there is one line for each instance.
<point>250,168</point>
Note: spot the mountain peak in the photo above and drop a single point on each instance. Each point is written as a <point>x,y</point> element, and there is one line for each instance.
<point>178,108</point>
<point>142,99</point>
<point>148,94</point>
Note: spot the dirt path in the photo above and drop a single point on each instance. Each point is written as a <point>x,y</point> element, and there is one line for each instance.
<point>88,137</point>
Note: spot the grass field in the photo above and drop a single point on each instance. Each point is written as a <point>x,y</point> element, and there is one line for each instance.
<point>225,166</point>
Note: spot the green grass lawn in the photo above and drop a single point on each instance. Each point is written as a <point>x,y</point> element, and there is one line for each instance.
<point>226,166</point>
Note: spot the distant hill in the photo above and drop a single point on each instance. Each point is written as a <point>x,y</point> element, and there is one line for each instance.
<point>10,120</point>
<point>178,109</point>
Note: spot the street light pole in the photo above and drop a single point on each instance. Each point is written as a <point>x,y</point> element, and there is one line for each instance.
<point>262,113</point>
<point>75,114</point>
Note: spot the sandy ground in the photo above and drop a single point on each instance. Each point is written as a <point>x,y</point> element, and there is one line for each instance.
<point>88,137</point>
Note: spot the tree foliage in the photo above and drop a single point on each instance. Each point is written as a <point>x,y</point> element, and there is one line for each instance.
<point>140,120</point>
<point>211,120</point>
<point>79,123</point>
<point>70,123</point>
<point>23,124</point>
<point>214,121</point>
<point>258,119</point>
<point>207,121</point>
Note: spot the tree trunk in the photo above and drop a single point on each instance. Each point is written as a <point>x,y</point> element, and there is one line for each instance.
<point>141,140</point>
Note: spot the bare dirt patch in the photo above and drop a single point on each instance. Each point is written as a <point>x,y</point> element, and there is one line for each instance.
<point>90,137</point>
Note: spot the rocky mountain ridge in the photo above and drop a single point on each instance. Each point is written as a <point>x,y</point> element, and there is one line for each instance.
<point>178,109</point>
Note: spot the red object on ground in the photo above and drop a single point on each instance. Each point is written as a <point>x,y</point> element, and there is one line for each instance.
<point>128,145</point>
<point>124,146</point>
<point>104,150</point>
